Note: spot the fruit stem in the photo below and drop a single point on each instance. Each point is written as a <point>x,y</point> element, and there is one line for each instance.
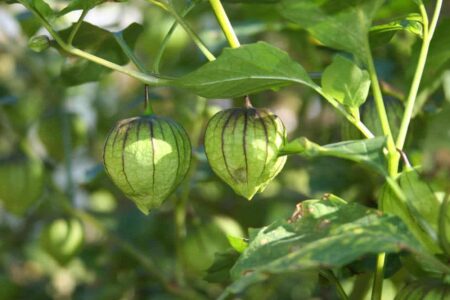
<point>248,102</point>
<point>225,23</point>
<point>147,105</point>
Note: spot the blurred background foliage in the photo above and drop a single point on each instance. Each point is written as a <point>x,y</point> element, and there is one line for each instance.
<point>73,235</point>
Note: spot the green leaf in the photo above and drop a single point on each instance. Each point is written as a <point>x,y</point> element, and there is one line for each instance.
<point>417,212</point>
<point>421,197</point>
<point>99,42</point>
<point>239,244</point>
<point>40,7</point>
<point>332,240</point>
<point>219,271</point>
<point>339,24</point>
<point>245,70</point>
<point>346,82</point>
<point>381,34</point>
<point>368,151</point>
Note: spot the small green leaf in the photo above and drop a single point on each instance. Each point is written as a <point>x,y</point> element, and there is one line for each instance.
<point>381,34</point>
<point>369,151</point>
<point>245,70</point>
<point>239,244</point>
<point>339,24</point>
<point>346,82</point>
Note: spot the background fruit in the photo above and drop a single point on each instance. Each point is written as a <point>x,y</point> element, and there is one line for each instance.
<point>147,158</point>
<point>21,183</point>
<point>63,239</point>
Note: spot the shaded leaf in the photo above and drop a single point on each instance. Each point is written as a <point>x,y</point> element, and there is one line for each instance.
<point>346,82</point>
<point>410,210</point>
<point>339,24</point>
<point>368,151</point>
<point>99,42</point>
<point>245,70</point>
<point>331,240</point>
<point>219,271</point>
<point>421,196</point>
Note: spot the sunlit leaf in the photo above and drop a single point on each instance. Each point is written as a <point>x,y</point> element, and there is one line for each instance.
<point>245,70</point>
<point>339,24</point>
<point>346,82</point>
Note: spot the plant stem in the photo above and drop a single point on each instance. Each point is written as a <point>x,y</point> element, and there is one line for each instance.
<point>329,275</point>
<point>143,77</point>
<point>381,109</point>
<point>195,38</point>
<point>428,31</point>
<point>225,23</point>
<point>357,123</point>
<point>443,219</point>
<point>67,145</point>
<point>377,289</point>
<point>77,26</point>
<point>166,39</point>
<point>128,52</point>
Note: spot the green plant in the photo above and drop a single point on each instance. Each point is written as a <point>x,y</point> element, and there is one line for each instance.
<point>384,217</point>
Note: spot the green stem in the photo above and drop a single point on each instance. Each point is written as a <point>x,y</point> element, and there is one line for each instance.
<point>381,109</point>
<point>225,23</point>
<point>143,77</point>
<point>428,31</point>
<point>129,53</point>
<point>166,39</point>
<point>329,275</point>
<point>443,219</point>
<point>77,26</point>
<point>67,145</point>
<point>195,38</point>
<point>147,105</point>
<point>377,289</point>
<point>357,123</point>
